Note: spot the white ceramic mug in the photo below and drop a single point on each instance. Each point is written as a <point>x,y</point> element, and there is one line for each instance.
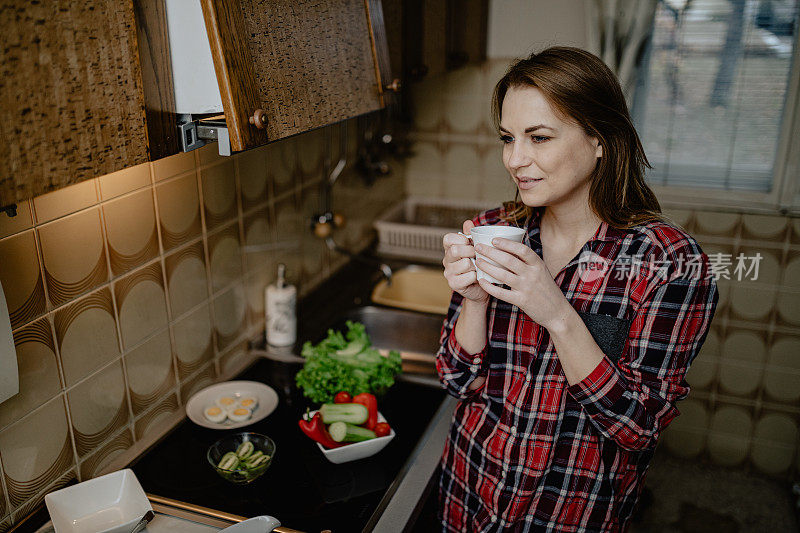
<point>484,235</point>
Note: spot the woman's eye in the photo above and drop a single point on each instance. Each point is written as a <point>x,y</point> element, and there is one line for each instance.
<point>538,139</point>
<point>505,139</point>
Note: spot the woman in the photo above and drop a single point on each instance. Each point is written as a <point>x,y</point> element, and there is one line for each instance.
<point>569,371</point>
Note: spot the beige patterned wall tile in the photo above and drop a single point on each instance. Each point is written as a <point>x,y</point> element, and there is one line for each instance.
<point>22,221</point>
<point>94,464</point>
<point>752,302</point>
<point>205,377</point>
<point>39,379</point>
<point>219,194</point>
<point>782,373</point>
<point>462,172</point>
<point>21,278</point>
<point>311,152</point>
<point>178,210</point>
<point>703,371</point>
<point>64,201</point>
<point>467,81</point>
<point>229,316</point>
<point>37,502</point>
<point>186,278</point>
<point>282,165</point>
<point>158,414</point>
<point>255,284</point>
<point>769,265</point>
<point>124,181</point>
<point>729,439</point>
<point>5,508</point>
<point>141,304</point>
<point>209,154</point>
<point>428,101</point>
<point>789,297</point>
<point>795,223</point>
<point>131,231</point>
<point>74,255</point>
<point>30,462</point>
<point>466,115</point>
<point>289,224</point>
<point>173,165</point>
<point>151,374</point>
<point>767,228</point>
<point>720,224</point>
<point>99,408</point>
<point>253,178</point>
<point>742,360</point>
<point>193,341</point>
<point>315,252</point>
<point>86,332</point>
<point>225,257</point>
<point>259,231</point>
<point>774,443</point>
<point>686,435</point>
<point>497,186</point>
<point>234,359</point>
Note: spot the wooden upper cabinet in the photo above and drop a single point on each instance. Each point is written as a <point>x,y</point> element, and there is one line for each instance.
<point>71,94</point>
<point>303,63</point>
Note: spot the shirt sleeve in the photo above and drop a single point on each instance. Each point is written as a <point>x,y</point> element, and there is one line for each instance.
<point>457,369</point>
<point>633,401</point>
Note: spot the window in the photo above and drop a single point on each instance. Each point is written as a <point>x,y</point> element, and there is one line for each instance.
<point>715,97</point>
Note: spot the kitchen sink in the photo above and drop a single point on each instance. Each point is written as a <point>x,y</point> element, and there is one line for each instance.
<point>414,335</point>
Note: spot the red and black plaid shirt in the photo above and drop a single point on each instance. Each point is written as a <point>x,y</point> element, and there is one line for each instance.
<point>529,452</point>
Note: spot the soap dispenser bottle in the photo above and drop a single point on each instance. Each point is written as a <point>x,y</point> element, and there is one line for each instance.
<point>280,305</point>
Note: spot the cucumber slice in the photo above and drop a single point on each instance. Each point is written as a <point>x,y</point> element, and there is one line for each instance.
<point>229,461</point>
<point>257,462</point>
<point>245,449</point>
<point>344,432</point>
<point>353,413</point>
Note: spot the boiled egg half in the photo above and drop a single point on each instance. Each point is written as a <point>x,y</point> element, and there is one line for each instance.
<point>215,414</point>
<point>239,414</point>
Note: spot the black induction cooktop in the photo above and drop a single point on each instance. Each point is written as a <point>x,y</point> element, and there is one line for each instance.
<point>301,488</point>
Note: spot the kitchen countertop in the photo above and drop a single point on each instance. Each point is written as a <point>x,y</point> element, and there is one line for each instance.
<point>301,488</point>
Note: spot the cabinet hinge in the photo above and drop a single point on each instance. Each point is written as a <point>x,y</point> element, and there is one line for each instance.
<point>199,132</point>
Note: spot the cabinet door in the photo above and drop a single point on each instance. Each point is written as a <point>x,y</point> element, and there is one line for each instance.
<point>71,94</point>
<point>305,63</point>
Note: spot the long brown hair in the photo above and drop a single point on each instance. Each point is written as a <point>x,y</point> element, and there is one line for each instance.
<point>582,88</point>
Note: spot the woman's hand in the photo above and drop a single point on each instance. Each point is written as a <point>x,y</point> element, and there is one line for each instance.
<point>531,286</point>
<point>458,269</point>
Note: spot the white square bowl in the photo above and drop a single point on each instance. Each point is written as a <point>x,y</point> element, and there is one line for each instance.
<point>113,503</point>
<point>356,450</point>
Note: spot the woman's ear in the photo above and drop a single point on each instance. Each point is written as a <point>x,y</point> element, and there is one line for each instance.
<point>598,151</point>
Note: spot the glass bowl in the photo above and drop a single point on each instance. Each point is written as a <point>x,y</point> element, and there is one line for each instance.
<point>242,473</point>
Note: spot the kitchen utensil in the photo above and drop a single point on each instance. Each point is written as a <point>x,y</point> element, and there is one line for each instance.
<point>113,503</point>
<point>241,475</point>
<point>356,450</point>
<point>266,395</point>
<point>258,524</point>
<point>148,516</point>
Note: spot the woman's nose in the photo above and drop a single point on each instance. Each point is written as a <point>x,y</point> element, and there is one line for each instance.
<point>518,158</point>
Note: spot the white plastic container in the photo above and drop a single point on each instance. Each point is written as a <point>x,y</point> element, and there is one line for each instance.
<point>280,307</point>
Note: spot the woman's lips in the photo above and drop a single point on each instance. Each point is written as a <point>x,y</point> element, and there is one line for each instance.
<point>525,184</point>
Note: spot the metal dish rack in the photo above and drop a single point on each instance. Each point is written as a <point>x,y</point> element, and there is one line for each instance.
<point>414,228</point>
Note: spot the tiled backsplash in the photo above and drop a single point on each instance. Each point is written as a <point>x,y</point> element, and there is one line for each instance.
<point>744,408</point>
<point>130,292</point>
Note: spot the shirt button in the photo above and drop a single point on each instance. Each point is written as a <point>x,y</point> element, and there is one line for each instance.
<point>476,360</point>
<point>527,377</point>
<point>513,430</point>
<point>473,368</point>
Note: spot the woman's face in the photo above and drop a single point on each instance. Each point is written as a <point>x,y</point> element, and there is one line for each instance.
<point>550,160</point>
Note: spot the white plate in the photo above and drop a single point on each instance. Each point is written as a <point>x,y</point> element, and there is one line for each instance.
<point>267,402</point>
<point>355,450</point>
<point>113,503</point>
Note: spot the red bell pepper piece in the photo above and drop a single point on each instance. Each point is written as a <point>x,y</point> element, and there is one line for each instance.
<point>315,429</point>
<point>368,400</point>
